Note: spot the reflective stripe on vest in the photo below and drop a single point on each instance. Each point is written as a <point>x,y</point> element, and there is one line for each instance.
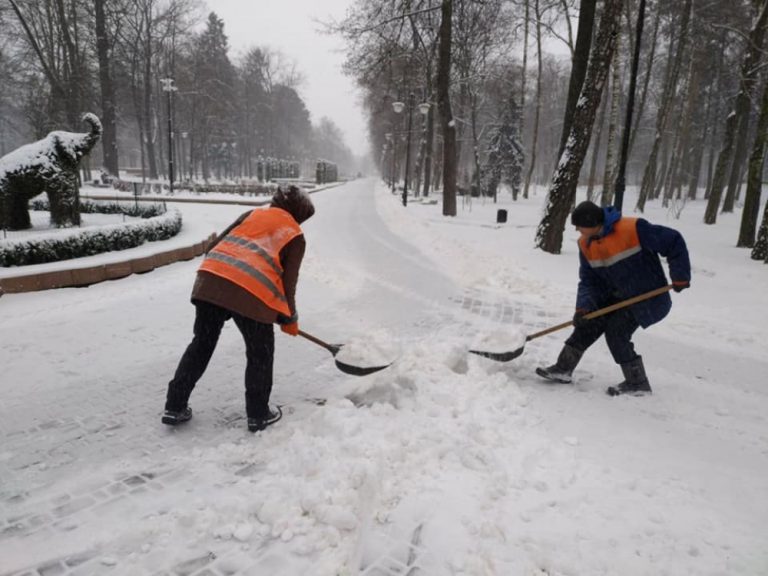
<point>249,255</point>
<point>250,271</point>
<point>619,245</point>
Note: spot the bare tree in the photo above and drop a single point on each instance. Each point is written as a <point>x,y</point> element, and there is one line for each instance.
<point>537,113</point>
<point>596,146</point>
<point>549,235</point>
<point>653,176</point>
<point>760,250</point>
<point>447,122</point>
<point>613,129</point>
<point>749,69</point>
<point>579,65</point>
<point>754,178</point>
<point>53,32</point>
<point>108,95</point>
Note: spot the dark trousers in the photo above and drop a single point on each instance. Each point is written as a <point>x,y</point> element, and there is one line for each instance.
<point>618,328</point>
<point>259,351</point>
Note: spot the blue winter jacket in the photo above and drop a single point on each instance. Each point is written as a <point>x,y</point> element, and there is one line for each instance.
<point>623,261</point>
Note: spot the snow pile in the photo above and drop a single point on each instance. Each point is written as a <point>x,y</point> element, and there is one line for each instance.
<point>375,348</point>
<point>508,340</point>
<point>334,489</point>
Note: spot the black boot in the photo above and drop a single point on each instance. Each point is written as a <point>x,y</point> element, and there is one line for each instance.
<point>274,413</point>
<point>561,370</point>
<point>635,380</point>
<point>174,417</point>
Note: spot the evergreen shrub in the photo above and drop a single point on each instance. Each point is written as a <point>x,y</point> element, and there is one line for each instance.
<point>77,243</point>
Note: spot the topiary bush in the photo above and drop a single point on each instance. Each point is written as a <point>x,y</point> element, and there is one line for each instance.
<point>76,243</point>
<point>87,207</point>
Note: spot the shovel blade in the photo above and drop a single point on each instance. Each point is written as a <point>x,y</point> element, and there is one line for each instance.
<point>358,370</point>
<point>500,356</point>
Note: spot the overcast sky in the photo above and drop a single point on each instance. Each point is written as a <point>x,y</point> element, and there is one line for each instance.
<point>290,26</point>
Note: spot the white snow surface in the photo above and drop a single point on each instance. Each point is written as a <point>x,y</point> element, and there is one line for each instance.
<point>445,463</point>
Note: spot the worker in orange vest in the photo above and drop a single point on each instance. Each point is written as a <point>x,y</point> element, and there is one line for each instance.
<point>249,274</point>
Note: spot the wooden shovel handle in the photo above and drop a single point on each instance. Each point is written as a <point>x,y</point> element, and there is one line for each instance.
<point>604,311</point>
<point>330,347</point>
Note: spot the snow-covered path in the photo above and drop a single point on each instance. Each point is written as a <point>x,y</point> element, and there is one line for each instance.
<point>445,463</point>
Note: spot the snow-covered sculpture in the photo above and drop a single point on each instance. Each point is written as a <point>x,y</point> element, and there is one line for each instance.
<point>49,165</point>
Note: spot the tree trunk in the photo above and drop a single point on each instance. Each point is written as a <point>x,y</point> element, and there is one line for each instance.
<point>596,147</point>
<point>72,71</point>
<point>578,65</point>
<point>429,145</point>
<point>535,145</point>
<point>476,146</point>
<point>147,81</point>
<point>698,150</point>
<point>549,236</point>
<point>760,250</point>
<point>662,173</point>
<point>524,74</point>
<point>649,183</point>
<point>108,115</point>
<point>620,181</point>
<point>737,166</point>
<point>684,149</point>
<point>613,127</point>
<point>749,71</point>
<point>447,122</point>
<point>754,178</point>
<point>646,81</point>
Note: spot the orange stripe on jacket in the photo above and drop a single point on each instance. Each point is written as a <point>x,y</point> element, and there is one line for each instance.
<point>249,255</point>
<point>621,243</point>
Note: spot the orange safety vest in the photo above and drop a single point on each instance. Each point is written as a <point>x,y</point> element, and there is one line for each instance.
<point>249,255</point>
<point>620,244</point>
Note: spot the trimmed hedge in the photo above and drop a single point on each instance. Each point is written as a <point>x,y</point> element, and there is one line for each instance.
<point>247,188</point>
<point>77,243</point>
<point>88,207</point>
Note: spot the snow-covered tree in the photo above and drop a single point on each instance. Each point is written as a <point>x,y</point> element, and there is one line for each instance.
<point>549,235</point>
<point>505,157</point>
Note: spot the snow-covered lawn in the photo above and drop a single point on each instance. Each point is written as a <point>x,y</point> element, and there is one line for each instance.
<point>444,463</point>
<point>42,227</point>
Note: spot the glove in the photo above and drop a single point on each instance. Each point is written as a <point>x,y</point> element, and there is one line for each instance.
<point>291,329</point>
<point>680,286</point>
<point>578,318</point>
<point>283,319</point>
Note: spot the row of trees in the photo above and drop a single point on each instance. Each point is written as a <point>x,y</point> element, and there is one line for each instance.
<point>697,125</point>
<point>60,58</point>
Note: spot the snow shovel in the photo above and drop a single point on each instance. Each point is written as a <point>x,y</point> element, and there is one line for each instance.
<point>346,368</point>
<point>511,355</point>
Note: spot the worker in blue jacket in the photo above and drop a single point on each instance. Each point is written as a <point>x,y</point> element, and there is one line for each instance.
<point>619,259</point>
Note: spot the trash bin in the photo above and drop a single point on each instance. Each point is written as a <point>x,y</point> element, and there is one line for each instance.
<point>501,216</point>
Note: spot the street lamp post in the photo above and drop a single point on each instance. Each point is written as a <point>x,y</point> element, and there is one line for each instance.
<point>184,171</point>
<point>390,138</point>
<point>399,107</point>
<point>424,156</point>
<point>408,150</point>
<point>169,89</point>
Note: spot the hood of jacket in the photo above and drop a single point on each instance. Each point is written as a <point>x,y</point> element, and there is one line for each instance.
<point>611,217</point>
<point>295,201</point>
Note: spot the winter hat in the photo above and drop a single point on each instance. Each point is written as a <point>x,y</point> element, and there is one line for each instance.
<point>295,201</point>
<point>587,215</point>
